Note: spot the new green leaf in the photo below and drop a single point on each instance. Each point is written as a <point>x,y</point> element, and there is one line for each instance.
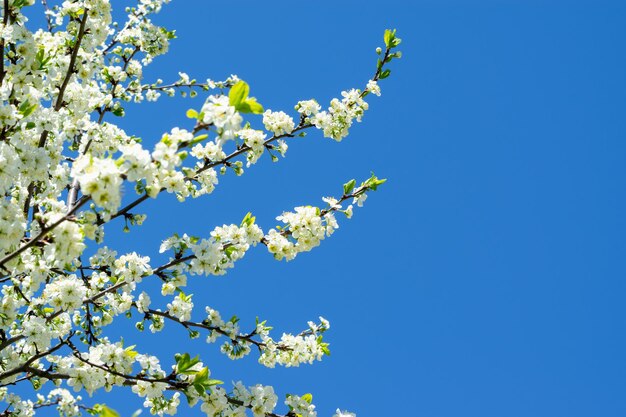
<point>238,93</point>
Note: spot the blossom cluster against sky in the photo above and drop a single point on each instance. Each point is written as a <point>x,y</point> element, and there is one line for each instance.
<point>486,277</point>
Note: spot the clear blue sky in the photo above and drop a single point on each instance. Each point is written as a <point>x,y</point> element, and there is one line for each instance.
<point>486,278</point>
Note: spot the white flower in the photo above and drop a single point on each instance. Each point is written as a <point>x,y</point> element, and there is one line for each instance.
<point>308,107</point>
<point>218,112</point>
<point>360,199</point>
<point>348,211</point>
<point>373,87</point>
<point>143,302</point>
<point>136,162</point>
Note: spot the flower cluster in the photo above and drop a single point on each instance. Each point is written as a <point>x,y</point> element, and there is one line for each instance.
<point>66,403</point>
<point>130,268</point>
<point>255,139</point>
<point>66,293</point>
<point>12,225</point>
<point>279,123</point>
<point>213,256</point>
<point>291,350</point>
<point>301,405</point>
<point>181,307</point>
<point>100,178</point>
<point>306,228</point>
<point>337,120</point>
<point>260,399</point>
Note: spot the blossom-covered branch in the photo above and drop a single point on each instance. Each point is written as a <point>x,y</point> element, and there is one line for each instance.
<point>63,164</point>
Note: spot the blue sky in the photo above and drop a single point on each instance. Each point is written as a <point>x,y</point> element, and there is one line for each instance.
<point>486,278</point>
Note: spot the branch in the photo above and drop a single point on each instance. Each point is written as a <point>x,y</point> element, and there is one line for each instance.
<point>145,87</point>
<point>208,165</point>
<point>44,232</point>
<point>170,380</point>
<point>44,3</point>
<point>59,102</point>
<point>75,186</point>
<point>32,359</point>
<point>71,69</point>
<point>187,324</point>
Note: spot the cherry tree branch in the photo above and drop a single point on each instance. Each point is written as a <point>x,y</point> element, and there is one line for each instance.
<point>32,241</point>
<point>33,358</point>
<point>44,3</point>
<point>59,102</point>
<point>243,149</point>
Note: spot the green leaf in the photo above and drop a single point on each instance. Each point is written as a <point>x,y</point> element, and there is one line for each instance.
<point>77,13</point>
<point>107,412</point>
<point>26,109</point>
<point>238,93</point>
<point>325,349</point>
<point>198,139</point>
<point>307,397</point>
<point>348,187</point>
<point>202,383</point>
<point>202,375</point>
<point>255,106</point>
<point>250,105</point>
<point>373,182</point>
<point>248,221</point>
<point>184,363</point>
<point>118,111</point>
<point>323,345</point>
<point>192,114</point>
<point>131,352</point>
<point>389,35</point>
<point>384,74</point>
<point>212,382</point>
<point>36,382</point>
<point>238,98</point>
<point>18,4</point>
<point>170,34</point>
<point>200,389</point>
